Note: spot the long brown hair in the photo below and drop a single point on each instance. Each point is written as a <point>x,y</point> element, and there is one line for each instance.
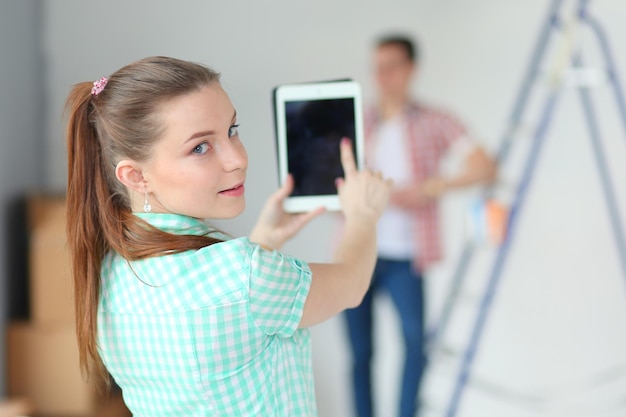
<point>120,122</point>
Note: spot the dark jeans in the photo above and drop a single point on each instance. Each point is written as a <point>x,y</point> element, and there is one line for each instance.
<point>404,286</point>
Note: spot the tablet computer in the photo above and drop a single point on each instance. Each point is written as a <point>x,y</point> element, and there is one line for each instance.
<point>311,119</point>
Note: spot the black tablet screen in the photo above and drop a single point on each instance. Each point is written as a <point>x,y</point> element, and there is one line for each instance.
<point>314,130</point>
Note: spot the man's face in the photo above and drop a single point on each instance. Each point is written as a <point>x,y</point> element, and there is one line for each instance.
<point>393,70</point>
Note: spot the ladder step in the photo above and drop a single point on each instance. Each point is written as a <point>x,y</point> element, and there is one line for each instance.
<point>584,77</point>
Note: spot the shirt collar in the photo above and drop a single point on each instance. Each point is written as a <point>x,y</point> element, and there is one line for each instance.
<point>176,223</point>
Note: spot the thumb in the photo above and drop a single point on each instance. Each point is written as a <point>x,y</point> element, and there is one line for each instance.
<point>284,191</point>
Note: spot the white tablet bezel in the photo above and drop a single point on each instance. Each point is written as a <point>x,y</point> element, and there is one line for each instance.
<point>315,91</point>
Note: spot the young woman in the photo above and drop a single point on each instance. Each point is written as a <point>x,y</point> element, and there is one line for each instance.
<point>187,321</point>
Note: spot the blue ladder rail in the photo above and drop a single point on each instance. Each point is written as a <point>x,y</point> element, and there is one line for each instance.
<point>530,164</point>
<point>523,95</point>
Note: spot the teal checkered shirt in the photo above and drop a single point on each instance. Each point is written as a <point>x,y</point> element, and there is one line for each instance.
<point>210,332</point>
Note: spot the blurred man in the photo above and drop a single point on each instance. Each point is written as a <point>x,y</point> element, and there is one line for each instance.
<point>407,140</point>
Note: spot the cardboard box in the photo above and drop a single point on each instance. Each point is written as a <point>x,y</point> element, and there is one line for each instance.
<point>50,282</point>
<point>43,367</point>
<point>16,407</point>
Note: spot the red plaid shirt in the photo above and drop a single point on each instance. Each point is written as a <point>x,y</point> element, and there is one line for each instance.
<point>430,133</point>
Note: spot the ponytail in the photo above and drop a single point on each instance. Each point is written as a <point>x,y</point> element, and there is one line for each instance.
<point>86,240</point>
<point>102,130</point>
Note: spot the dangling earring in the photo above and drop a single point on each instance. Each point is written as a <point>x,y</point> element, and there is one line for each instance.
<point>146,205</point>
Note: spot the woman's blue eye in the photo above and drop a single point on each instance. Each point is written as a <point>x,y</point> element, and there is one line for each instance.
<point>232,131</point>
<point>201,149</point>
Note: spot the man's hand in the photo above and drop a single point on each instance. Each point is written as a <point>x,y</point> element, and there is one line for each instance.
<point>418,193</point>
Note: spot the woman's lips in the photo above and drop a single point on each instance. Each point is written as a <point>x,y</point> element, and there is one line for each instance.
<point>236,191</point>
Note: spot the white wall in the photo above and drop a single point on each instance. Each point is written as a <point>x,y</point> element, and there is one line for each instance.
<point>559,315</point>
<point>22,149</point>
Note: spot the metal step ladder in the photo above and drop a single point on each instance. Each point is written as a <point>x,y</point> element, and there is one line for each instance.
<point>567,70</point>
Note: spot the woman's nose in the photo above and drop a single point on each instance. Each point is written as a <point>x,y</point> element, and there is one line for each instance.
<point>233,155</point>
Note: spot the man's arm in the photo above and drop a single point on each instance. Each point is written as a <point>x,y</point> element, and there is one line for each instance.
<point>478,168</point>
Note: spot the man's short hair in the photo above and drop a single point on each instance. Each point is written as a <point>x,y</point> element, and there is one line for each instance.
<point>410,46</point>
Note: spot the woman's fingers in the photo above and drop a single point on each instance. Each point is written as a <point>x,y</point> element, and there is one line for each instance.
<point>347,157</point>
<point>305,218</point>
<point>296,222</point>
<point>284,191</point>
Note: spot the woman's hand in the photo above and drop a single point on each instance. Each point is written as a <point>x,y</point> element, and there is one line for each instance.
<point>275,226</point>
<point>363,194</point>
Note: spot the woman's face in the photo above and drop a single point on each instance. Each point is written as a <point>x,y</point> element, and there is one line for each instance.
<point>198,168</point>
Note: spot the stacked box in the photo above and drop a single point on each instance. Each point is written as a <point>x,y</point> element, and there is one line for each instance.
<point>42,353</point>
<point>50,286</point>
<point>43,367</point>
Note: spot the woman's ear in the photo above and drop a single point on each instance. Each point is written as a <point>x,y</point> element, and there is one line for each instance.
<point>129,173</point>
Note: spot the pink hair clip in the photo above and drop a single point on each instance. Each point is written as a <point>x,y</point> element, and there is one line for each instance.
<point>98,86</point>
